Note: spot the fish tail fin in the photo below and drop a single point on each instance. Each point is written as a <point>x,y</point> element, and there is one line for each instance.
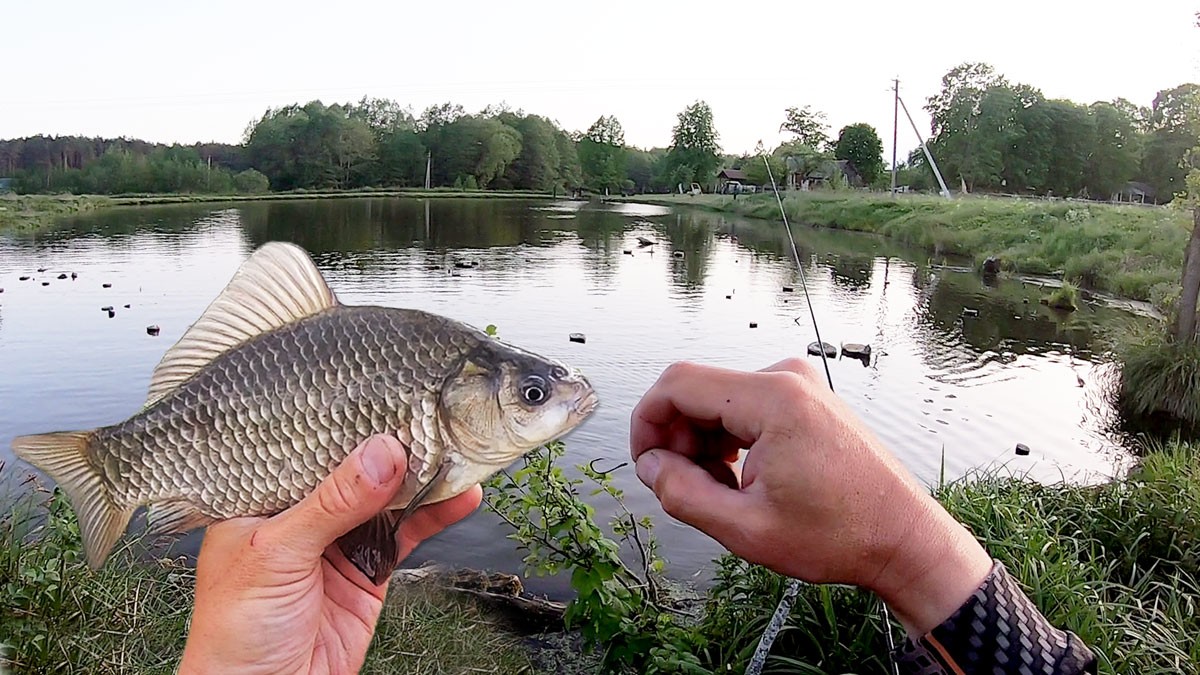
<point>65,457</point>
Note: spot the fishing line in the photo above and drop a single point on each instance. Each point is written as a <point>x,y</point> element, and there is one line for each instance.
<point>759,659</point>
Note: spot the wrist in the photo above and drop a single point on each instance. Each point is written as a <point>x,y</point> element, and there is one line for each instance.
<point>932,567</point>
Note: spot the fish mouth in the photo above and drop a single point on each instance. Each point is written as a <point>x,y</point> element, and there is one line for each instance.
<point>586,404</point>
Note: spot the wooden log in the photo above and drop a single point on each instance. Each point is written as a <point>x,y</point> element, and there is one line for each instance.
<point>502,592</point>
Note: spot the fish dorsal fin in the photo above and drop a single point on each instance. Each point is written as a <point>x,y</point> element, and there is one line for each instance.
<point>277,285</point>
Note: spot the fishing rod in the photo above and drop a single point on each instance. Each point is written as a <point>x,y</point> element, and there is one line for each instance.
<point>759,659</point>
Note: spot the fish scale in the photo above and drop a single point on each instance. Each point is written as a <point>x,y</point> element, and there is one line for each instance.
<point>273,387</point>
<point>339,364</point>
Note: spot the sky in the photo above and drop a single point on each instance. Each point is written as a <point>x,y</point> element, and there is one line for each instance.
<point>203,71</point>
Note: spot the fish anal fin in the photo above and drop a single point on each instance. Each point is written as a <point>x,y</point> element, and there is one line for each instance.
<point>174,516</point>
<point>65,457</point>
<point>372,548</point>
<point>277,285</point>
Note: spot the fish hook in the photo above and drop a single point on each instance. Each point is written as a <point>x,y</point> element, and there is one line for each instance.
<point>592,467</point>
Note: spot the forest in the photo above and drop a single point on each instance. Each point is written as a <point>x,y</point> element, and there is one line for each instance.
<point>987,135</point>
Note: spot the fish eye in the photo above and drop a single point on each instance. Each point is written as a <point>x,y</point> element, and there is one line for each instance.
<point>558,373</point>
<point>533,390</point>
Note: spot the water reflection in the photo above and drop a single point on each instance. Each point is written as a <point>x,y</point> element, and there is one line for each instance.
<point>945,391</point>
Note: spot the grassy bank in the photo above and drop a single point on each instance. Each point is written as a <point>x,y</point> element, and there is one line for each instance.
<point>25,213</point>
<point>57,616</point>
<point>1118,564</point>
<point>1133,251</point>
<point>29,213</point>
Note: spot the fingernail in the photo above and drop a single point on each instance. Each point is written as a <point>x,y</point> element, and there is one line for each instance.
<point>377,461</point>
<point>647,468</point>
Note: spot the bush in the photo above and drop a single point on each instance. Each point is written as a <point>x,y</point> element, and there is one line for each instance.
<point>251,182</point>
<point>1065,297</point>
<point>1159,376</point>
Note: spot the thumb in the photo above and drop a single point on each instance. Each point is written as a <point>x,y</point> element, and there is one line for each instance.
<point>359,488</point>
<point>690,493</point>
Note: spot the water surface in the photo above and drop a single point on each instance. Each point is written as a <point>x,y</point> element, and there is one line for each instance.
<point>947,393</point>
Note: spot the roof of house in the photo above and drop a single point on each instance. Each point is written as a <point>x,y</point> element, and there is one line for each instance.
<point>732,174</point>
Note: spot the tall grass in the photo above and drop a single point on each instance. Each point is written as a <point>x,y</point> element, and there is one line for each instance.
<point>34,212</point>
<point>1159,377</point>
<point>131,616</point>
<point>1117,564</point>
<point>1134,251</point>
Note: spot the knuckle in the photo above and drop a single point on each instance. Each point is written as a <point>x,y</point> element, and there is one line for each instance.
<point>338,495</point>
<point>678,370</point>
<point>799,366</point>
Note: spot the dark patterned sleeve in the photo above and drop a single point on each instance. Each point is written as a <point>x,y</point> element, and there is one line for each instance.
<point>996,632</point>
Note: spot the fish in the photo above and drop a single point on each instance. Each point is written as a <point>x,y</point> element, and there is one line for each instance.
<point>277,382</point>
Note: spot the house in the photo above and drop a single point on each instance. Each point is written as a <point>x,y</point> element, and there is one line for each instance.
<point>732,180</point>
<point>1135,192</point>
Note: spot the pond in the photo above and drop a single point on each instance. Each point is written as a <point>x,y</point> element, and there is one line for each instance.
<point>948,393</point>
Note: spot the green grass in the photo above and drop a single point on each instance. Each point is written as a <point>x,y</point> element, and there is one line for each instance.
<point>28,213</point>
<point>58,616</point>
<point>1065,297</point>
<point>1117,564</point>
<point>1133,251</point>
<point>1158,376</point>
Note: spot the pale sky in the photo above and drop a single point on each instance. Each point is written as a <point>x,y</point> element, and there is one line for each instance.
<point>201,71</point>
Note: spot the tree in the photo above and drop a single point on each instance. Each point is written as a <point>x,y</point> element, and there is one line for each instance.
<point>693,145</point>
<point>963,87</point>
<point>800,159</point>
<point>499,144</point>
<point>602,154</point>
<point>646,169</point>
<point>570,171</point>
<point>251,182</point>
<point>1114,150</point>
<point>808,126</point>
<point>440,115</point>
<point>400,159</point>
<point>1169,140</point>
<point>756,169</point>
<point>860,145</point>
<point>383,115</point>
<point>536,167</point>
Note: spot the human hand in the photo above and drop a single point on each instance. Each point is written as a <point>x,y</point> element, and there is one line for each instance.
<point>818,497</point>
<point>275,595</point>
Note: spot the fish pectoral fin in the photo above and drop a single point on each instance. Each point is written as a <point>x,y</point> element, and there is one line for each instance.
<point>174,516</point>
<point>372,546</point>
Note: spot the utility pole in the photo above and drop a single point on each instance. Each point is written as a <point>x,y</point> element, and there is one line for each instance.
<point>895,128</point>
<point>928,156</point>
<point>428,164</point>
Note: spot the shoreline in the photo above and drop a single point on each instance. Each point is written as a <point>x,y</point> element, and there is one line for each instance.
<point>26,214</point>
<point>1128,251</point>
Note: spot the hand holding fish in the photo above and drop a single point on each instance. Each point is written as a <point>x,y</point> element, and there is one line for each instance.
<point>276,595</point>
<point>818,497</point>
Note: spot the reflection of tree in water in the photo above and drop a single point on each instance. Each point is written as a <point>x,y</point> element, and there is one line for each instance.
<point>957,343</point>
<point>355,225</point>
<point>851,271</point>
<point>601,233</point>
<point>693,236</point>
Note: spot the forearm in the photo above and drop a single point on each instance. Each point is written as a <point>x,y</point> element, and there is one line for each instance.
<point>962,611</point>
<point>997,630</point>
